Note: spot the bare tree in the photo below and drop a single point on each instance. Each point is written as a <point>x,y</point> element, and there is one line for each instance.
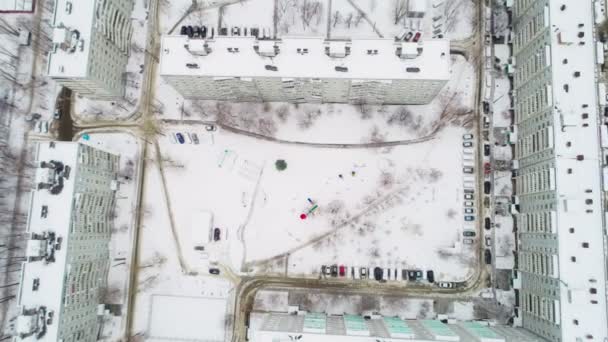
<point>400,10</point>
<point>336,18</point>
<point>309,9</point>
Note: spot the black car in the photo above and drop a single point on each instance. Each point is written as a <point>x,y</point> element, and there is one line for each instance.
<point>487,187</point>
<point>190,31</point>
<point>404,274</point>
<point>468,233</point>
<point>486,150</point>
<point>203,31</point>
<point>216,234</point>
<point>487,223</point>
<point>197,31</point>
<point>486,107</point>
<point>183,31</point>
<point>215,271</point>
<point>334,270</point>
<point>378,273</point>
<point>430,276</point>
<point>487,255</point>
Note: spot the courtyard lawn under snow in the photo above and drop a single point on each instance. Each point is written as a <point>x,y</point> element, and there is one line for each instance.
<point>399,206</point>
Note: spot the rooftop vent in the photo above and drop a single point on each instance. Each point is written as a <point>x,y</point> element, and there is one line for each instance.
<point>341,69</point>
<point>271,67</point>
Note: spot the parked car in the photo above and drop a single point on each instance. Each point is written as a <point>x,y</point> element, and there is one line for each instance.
<point>469,218</point>
<point>488,241</point>
<point>468,233</point>
<point>469,211</point>
<point>468,197</point>
<point>487,223</point>
<point>467,144</point>
<point>342,271</point>
<point>469,203</point>
<point>468,170</point>
<point>486,150</point>
<point>180,138</point>
<point>445,285</point>
<point>210,128</point>
<point>417,37</point>
<point>430,276</point>
<point>486,107</point>
<point>487,187</point>
<point>57,114</point>
<point>487,168</point>
<point>486,201</point>
<point>195,138</point>
<point>323,269</point>
<point>469,191</point>
<point>388,274</point>
<point>408,36</point>
<point>467,137</point>
<point>327,270</point>
<point>363,272</point>
<point>378,273</point>
<point>487,255</point>
<point>486,121</point>
<point>215,271</point>
<point>467,241</point>
<point>334,270</point>
<point>216,234</point>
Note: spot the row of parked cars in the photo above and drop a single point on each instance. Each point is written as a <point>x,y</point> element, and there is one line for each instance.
<point>382,274</point>
<point>407,36</point>
<point>468,150</point>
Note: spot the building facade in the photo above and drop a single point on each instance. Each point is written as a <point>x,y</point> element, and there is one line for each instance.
<point>320,327</point>
<point>90,50</point>
<point>560,273</point>
<point>69,227</point>
<point>305,69</point>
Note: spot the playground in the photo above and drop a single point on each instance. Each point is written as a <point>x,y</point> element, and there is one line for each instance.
<point>290,208</point>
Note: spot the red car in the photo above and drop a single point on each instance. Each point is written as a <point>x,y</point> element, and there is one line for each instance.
<point>487,168</point>
<point>417,37</point>
<point>342,270</point>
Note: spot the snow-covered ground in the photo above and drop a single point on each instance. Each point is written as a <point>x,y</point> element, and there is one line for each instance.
<point>398,207</point>
<point>123,234</point>
<point>160,275</point>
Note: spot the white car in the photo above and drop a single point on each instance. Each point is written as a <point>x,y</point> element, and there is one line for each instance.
<point>445,284</point>
<point>468,204</point>
<point>467,137</point>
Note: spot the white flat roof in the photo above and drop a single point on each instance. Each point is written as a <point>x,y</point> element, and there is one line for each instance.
<point>51,275</point>
<point>65,64</point>
<point>433,62</point>
<point>572,209</point>
<point>17,5</point>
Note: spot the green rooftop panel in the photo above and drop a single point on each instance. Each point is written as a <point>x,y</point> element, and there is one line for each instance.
<point>315,321</point>
<point>354,323</point>
<point>395,325</point>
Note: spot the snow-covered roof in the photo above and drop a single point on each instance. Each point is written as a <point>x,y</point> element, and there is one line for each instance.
<point>578,182</point>
<point>50,274</point>
<point>73,23</point>
<point>417,6</point>
<point>17,5</point>
<point>305,57</point>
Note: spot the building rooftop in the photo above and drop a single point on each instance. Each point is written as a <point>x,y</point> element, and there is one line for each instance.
<point>578,171</point>
<point>16,6</point>
<point>305,57</point>
<point>73,23</point>
<point>42,280</point>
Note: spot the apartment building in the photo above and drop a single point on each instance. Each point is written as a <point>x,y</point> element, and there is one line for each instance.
<point>320,327</point>
<point>90,50</point>
<point>305,69</point>
<point>560,273</point>
<point>68,227</point>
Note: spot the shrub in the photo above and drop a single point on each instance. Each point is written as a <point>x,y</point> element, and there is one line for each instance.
<point>280,164</point>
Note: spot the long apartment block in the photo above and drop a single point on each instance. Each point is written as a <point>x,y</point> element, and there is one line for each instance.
<point>68,229</point>
<point>305,69</point>
<point>91,40</point>
<point>560,214</point>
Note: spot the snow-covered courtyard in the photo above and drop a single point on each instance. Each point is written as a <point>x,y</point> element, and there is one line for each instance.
<point>399,206</point>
